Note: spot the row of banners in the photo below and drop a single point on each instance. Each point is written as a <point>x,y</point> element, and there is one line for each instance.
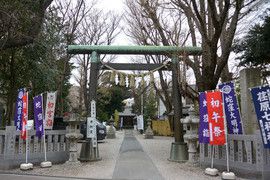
<point>219,114</point>
<point>41,121</point>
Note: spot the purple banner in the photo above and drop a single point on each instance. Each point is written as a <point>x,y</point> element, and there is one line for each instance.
<point>19,110</point>
<point>232,113</point>
<point>38,115</point>
<point>204,125</point>
<point>261,100</point>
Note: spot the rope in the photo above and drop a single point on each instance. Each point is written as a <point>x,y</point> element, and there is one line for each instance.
<point>141,75</point>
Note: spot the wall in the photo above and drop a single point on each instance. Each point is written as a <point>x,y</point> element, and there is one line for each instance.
<point>12,147</point>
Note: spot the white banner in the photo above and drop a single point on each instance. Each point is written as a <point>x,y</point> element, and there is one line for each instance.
<point>49,111</point>
<point>140,122</point>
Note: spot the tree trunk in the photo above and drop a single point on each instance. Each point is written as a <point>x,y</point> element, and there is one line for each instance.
<point>12,90</point>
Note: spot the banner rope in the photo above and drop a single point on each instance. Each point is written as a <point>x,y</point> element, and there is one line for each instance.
<point>164,64</point>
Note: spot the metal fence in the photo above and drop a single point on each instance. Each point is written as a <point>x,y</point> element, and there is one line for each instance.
<point>246,154</point>
<point>13,148</point>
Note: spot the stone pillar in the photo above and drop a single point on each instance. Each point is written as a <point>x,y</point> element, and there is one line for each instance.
<point>73,148</point>
<point>250,77</point>
<point>89,150</point>
<point>111,130</point>
<point>179,147</point>
<point>149,132</point>
<point>10,141</point>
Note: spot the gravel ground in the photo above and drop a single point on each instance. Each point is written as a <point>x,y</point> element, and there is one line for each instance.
<point>108,149</point>
<point>158,149</point>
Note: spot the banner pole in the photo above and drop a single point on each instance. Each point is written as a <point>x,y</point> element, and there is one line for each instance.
<point>227,154</point>
<point>26,166</point>
<point>44,132</point>
<point>226,132</point>
<point>46,163</point>
<point>228,174</point>
<point>45,153</point>
<point>26,148</point>
<point>212,156</point>
<point>26,132</point>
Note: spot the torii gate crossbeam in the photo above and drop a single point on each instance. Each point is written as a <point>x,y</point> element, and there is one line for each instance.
<point>158,50</point>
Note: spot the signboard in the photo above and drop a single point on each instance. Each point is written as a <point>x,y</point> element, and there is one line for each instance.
<point>231,108</point>
<point>204,125</point>
<point>140,123</point>
<point>91,127</point>
<point>49,112</point>
<point>261,100</point>
<point>215,118</point>
<point>30,125</point>
<point>93,108</point>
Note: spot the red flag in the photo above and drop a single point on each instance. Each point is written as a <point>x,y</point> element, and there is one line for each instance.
<point>24,115</point>
<point>215,117</point>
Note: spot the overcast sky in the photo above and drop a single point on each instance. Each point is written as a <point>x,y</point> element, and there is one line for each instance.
<point>116,5</point>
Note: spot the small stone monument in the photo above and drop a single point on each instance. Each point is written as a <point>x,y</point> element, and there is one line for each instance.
<point>149,132</point>
<point>73,136</point>
<point>191,123</point>
<point>111,130</point>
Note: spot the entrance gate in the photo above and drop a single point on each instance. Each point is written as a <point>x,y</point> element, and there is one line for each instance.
<point>179,147</point>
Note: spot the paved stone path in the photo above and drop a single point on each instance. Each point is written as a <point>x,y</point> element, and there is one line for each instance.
<point>133,162</point>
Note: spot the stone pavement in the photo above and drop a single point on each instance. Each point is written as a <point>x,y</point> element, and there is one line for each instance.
<point>133,162</point>
<point>129,156</point>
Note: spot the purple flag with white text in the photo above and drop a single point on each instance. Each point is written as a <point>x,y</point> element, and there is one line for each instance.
<point>18,110</point>
<point>261,100</point>
<point>38,115</point>
<point>204,125</point>
<point>231,108</point>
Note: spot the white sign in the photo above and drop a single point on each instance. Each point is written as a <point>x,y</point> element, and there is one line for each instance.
<point>29,125</point>
<point>140,123</point>
<point>49,112</point>
<point>93,108</point>
<point>91,127</point>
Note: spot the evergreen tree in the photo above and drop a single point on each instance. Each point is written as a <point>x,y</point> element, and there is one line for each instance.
<point>255,46</point>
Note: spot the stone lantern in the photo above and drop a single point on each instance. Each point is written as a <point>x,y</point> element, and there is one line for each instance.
<point>149,132</point>
<point>111,130</point>
<point>191,124</point>
<point>73,135</point>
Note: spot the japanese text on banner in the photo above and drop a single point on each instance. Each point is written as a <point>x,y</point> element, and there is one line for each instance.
<point>261,100</point>
<point>231,108</point>
<point>38,115</point>
<point>215,118</point>
<point>19,110</point>
<point>204,126</point>
<point>50,108</point>
<point>24,115</point>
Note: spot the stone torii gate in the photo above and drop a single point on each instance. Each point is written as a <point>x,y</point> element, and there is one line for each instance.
<point>179,148</point>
